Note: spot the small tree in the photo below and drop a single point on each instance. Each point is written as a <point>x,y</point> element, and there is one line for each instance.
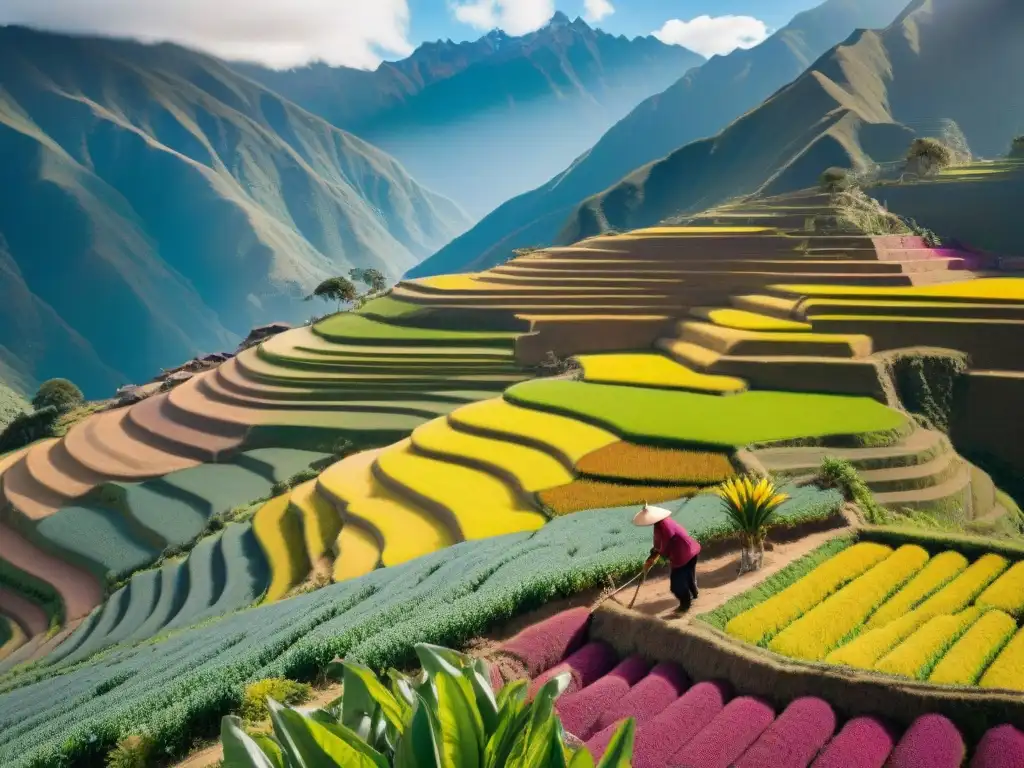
<point>1017,148</point>
<point>751,506</point>
<point>335,289</point>
<point>928,155</point>
<point>835,180</point>
<point>373,278</point>
<point>60,394</point>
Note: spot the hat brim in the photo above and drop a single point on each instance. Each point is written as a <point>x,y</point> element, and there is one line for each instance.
<point>651,515</point>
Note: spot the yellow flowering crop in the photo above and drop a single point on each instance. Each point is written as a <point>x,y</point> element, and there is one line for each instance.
<point>358,553</point>
<point>824,627</point>
<point>965,662</point>
<point>278,529</point>
<point>320,520</point>
<point>939,571</point>
<point>1007,592</point>
<point>762,622</point>
<point>653,370</point>
<point>916,656</point>
<point>1007,671</point>
<point>962,591</point>
<point>867,648</point>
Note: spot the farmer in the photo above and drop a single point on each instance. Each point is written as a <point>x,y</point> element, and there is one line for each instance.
<point>674,543</point>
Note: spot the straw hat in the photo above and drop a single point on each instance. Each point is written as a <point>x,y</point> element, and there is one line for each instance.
<point>650,515</point>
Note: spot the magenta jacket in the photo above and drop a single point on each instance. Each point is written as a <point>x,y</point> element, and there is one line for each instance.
<point>672,541</point>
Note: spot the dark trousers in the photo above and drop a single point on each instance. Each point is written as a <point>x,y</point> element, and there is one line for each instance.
<point>683,583</point>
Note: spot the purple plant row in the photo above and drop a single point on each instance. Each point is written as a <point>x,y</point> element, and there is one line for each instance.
<point>680,725</point>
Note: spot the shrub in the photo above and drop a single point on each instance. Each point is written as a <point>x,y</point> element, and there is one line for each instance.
<point>927,155</point>
<point>965,662</point>
<point>27,428</point>
<point>60,394</point>
<point>676,725</point>
<point>829,624</point>
<point>835,179</point>
<point>131,752</point>
<point>1017,148</point>
<point>282,487</point>
<point>552,365</point>
<point>762,622</point>
<point>581,711</point>
<point>752,506</point>
<point>254,702</point>
<point>841,474</point>
<point>864,742</point>
<point>932,741</point>
<point>728,736</point>
<point>794,738</point>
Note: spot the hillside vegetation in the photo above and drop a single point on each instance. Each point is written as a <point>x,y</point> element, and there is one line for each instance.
<point>699,104</point>
<point>156,204</point>
<point>851,109</point>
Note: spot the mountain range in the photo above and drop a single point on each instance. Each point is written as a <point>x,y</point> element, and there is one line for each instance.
<point>855,107</point>
<point>697,105</point>
<point>485,120</point>
<point>155,204</point>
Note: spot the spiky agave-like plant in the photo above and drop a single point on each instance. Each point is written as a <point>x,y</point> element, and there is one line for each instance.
<point>752,505</point>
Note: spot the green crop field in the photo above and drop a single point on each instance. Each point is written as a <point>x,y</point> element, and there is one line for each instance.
<point>650,415</point>
<point>348,327</point>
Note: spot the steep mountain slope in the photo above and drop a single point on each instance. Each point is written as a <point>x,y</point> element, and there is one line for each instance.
<point>699,104</point>
<point>154,204</point>
<point>949,59</point>
<point>485,120</point>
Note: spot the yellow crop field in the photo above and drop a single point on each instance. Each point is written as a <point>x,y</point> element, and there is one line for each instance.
<point>998,288</point>
<point>320,521</point>
<point>965,662</point>
<point>628,461</point>
<point>532,469</point>
<point>279,531</point>
<point>584,494</point>
<point>939,571</point>
<point>762,622</point>
<point>482,505</point>
<point>827,625</point>
<point>683,231</point>
<point>1006,593</point>
<point>565,437</point>
<point>962,591</point>
<point>866,649</point>
<point>407,531</point>
<point>1007,671</point>
<point>653,370</point>
<point>752,321</point>
<point>357,553</point>
<point>916,656</point>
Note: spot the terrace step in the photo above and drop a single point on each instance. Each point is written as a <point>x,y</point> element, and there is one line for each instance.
<point>151,421</point>
<point>102,444</point>
<point>27,495</point>
<point>305,340</point>
<point>941,500</point>
<point>61,472</point>
<point>868,306</point>
<point>773,306</point>
<point>742,319</point>
<point>919,447</point>
<point>914,476</point>
<point>598,276</point>
<point>805,373</point>
<point>695,356</point>
<point>738,342</point>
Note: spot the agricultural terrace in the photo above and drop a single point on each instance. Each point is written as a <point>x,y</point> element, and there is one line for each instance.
<point>944,618</point>
<point>683,719</point>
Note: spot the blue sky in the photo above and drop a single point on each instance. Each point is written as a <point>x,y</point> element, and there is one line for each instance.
<point>360,33</point>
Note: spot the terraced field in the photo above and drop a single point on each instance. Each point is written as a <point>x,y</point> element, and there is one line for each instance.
<point>690,723</point>
<point>902,612</point>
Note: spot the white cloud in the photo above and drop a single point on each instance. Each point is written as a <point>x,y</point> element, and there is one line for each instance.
<point>356,33</point>
<point>595,10</point>
<point>516,17</point>
<point>709,35</point>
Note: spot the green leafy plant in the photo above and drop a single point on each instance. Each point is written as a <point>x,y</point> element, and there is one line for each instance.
<point>374,279</point>
<point>26,428</point>
<point>927,155</point>
<point>446,717</point>
<point>752,506</point>
<point>254,701</point>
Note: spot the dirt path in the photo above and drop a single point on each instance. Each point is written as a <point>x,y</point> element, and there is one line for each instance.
<point>716,579</point>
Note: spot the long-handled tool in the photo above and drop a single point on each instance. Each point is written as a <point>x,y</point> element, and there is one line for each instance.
<point>637,593</point>
<point>642,575</point>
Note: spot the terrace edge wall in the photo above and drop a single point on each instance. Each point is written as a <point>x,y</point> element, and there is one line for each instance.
<point>704,653</point>
<point>575,336</point>
<point>988,417</point>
